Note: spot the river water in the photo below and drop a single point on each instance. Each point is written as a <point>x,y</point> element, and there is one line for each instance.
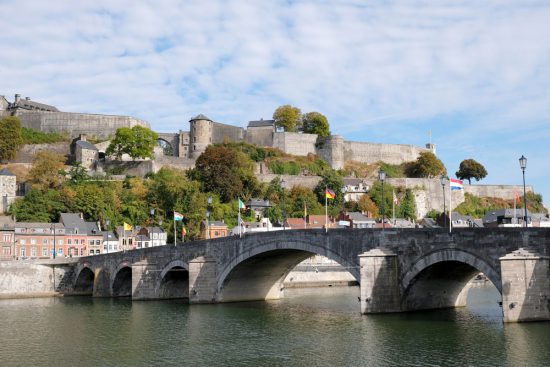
<point>310,327</point>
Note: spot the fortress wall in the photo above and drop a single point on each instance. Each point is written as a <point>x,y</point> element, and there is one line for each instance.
<point>375,152</point>
<point>304,181</point>
<point>222,131</point>
<point>173,162</point>
<point>137,168</point>
<point>331,149</point>
<point>262,136</point>
<point>78,123</point>
<point>27,152</point>
<point>506,192</point>
<point>295,143</point>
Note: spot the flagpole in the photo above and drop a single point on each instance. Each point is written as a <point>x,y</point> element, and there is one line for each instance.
<point>393,207</point>
<point>515,218</point>
<point>305,214</point>
<point>326,210</point>
<point>175,238</point>
<point>450,207</point>
<point>239,221</point>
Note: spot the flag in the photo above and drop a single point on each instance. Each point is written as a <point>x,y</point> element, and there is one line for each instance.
<point>178,216</point>
<point>330,194</point>
<point>517,197</point>
<point>395,199</point>
<point>241,205</point>
<point>127,227</point>
<point>456,184</point>
<point>305,209</point>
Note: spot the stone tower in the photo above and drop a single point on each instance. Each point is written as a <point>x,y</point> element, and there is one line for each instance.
<point>331,149</point>
<point>7,189</point>
<point>200,135</point>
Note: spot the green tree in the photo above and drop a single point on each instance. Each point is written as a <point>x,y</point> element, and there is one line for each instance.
<point>227,172</point>
<point>426,165</point>
<point>38,206</point>
<point>137,142</point>
<point>375,194</point>
<point>469,169</point>
<point>288,117</point>
<point>333,181</point>
<point>77,174</point>
<point>10,137</point>
<point>407,207</point>
<point>316,123</point>
<point>47,170</point>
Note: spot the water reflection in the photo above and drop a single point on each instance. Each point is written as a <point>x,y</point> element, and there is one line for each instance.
<point>313,327</point>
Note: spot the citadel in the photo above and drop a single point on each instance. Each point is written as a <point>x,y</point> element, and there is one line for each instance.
<point>188,145</point>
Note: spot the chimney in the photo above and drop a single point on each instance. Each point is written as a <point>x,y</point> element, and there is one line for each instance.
<point>17,98</point>
<point>82,137</point>
<point>27,98</point>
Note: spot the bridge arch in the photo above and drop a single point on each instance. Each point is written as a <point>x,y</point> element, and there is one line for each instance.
<point>121,283</point>
<point>258,272</point>
<point>84,282</point>
<point>173,281</point>
<point>439,279</point>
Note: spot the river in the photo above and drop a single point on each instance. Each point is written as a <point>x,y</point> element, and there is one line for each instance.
<point>310,327</point>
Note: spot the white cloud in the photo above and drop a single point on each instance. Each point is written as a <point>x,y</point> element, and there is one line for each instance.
<point>474,72</point>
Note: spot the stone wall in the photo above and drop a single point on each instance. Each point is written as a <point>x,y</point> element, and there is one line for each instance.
<point>173,162</point>
<point>261,136</point>
<point>137,168</point>
<point>8,188</point>
<point>222,132</point>
<point>331,149</point>
<point>29,279</point>
<point>375,152</point>
<point>27,152</point>
<point>304,181</point>
<point>295,143</point>
<point>74,124</point>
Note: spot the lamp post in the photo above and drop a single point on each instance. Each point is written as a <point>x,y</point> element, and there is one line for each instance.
<point>283,183</point>
<point>344,190</point>
<point>53,229</point>
<point>107,224</point>
<point>208,216</point>
<point>443,182</point>
<point>382,178</point>
<point>523,165</point>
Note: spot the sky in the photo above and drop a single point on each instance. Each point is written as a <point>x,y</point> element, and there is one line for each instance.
<point>473,73</point>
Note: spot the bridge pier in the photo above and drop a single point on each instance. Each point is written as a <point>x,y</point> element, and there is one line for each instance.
<point>144,280</point>
<point>525,286</point>
<point>380,289</point>
<point>202,280</point>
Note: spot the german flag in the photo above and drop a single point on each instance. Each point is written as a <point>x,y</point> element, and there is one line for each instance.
<point>330,194</point>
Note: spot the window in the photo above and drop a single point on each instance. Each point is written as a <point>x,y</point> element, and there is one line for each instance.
<point>97,242</point>
<point>6,238</point>
<point>97,252</point>
<point>91,252</point>
<point>60,242</point>
<point>44,251</point>
<point>33,241</point>
<point>60,251</point>
<point>6,250</point>
<point>23,242</point>
<point>23,252</point>
<point>81,252</point>
<point>69,241</point>
<point>82,242</point>
<point>216,233</point>
<point>105,247</point>
<point>91,242</point>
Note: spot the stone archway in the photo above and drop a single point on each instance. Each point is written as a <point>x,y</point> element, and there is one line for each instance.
<point>122,282</point>
<point>174,281</point>
<point>439,279</point>
<point>258,273</point>
<point>84,283</point>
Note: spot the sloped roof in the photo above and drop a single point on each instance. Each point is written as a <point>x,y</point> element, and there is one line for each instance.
<point>32,105</point>
<point>261,123</point>
<point>357,217</point>
<point>258,203</point>
<point>200,116</point>
<point>86,145</point>
<point>73,221</point>
<point>6,172</point>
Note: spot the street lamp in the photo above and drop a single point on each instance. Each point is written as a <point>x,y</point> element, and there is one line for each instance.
<point>107,224</point>
<point>208,216</point>
<point>283,184</point>
<point>443,182</point>
<point>382,177</point>
<point>53,228</point>
<point>344,190</point>
<point>523,165</point>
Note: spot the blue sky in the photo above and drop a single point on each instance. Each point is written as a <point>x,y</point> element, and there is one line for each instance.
<point>474,73</point>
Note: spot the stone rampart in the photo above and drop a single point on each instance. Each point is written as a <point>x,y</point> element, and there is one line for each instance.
<point>74,124</point>
<point>375,152</point>
<point>28,279</point>
<point>291,181</point>
<point>295,143</point>
<point>222,132</point>
<point>173,162</point>
<point>27,152</point>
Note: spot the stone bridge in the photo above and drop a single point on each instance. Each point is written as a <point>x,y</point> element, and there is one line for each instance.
<point>397,269</point>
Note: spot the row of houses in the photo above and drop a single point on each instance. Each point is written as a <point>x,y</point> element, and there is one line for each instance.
<point>72,236</point>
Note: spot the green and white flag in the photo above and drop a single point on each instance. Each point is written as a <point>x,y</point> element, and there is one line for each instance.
<point>241,205</point>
